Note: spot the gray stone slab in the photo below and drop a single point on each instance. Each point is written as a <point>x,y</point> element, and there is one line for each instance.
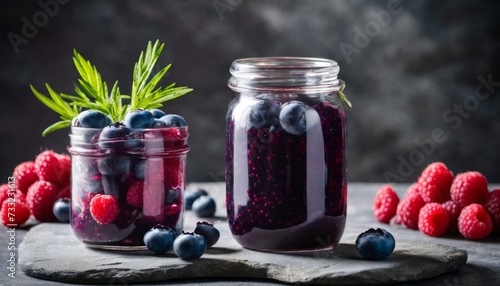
<point>51,251</point>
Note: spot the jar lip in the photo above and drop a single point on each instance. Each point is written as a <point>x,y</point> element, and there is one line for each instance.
<point>140,130</point>
<point>260,63</point>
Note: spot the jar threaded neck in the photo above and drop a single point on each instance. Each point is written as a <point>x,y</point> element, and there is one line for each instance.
<point>285,74</point>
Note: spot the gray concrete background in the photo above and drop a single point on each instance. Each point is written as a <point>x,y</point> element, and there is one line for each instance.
<point>412,70</point>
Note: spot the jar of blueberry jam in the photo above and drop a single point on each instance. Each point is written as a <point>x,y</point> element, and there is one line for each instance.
<point>286,173</point>
<point>126,181</point>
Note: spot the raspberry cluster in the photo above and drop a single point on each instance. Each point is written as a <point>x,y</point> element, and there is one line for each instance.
<point>34,188</point>
<point>440,203</point>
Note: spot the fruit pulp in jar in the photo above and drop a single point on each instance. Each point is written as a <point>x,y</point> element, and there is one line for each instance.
<point>286,192</point>
<point>148,190</point>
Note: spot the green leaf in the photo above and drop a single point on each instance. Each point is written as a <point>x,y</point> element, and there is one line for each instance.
<point>91,80</point>
<point>343,97</point>
<point>56,126</point>
<point>47,101</point>
<point>116,103</point>
<point>70,97</point>
<point>65,107</point>
<point>55,102</point>
<point>170,94</point>
<point>155,80</point>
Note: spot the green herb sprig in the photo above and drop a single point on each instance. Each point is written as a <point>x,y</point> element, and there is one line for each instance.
<point>93,93</point>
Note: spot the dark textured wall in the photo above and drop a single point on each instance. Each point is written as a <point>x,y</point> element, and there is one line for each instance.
<point>422,75</point>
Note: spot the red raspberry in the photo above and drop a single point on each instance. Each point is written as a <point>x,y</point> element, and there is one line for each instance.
<point>174,173</point>
<point>433,220</point>
<point>40,198</point>
<point>14,214</point>
<point>167,216</point>
<point>158,180</point>
<point>412,190</point>
<point>6,192</point>
<point>453,209</point>
<point>395,220</point>
<point>135,193</point>
<point>64,193</point>
<point>175,138</point>
<point>469,188</point>
<point>409,207</point>
<point>474,222</point>
<point>171,214</point>
<point>385,203</point>
<point>65,162</point>
<point>104,208</point>
<point>48,167</point>
<point>20,197</point>
<point>25,174</point>
<point>435,182</point>
<point>492,205</point>
<point>171,133</point>
<point>153,198</point>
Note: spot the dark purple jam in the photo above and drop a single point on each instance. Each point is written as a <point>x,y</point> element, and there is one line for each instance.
<point>286,188</point>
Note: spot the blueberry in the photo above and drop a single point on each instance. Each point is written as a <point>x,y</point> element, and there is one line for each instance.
<point>170,120</point>
<point>134,141</point>
<point>139,119</point>
<point>75,122</point>
<point>208,231</point>
<point>92,119</point>
<point>85,135</point>
<point>85,167</point>
<point>111,186</point>
<point>159,124</point>
<point>170,196</point>
<point>264,114</point>
<point>114,136</point>
<point>157,113</point>
<point>375,244</point>
<point>113,165</point>
<point>159,239</point>
<point>139,169</point>
<point>204,206</point>
<point>189,245</point>
<point>61,209</point>
<point>89,185</point>
<point>191,195</point>
<point>293,117</point>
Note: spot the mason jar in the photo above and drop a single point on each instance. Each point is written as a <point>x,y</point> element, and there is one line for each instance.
<point>121,188</point>
<point>286,171</point>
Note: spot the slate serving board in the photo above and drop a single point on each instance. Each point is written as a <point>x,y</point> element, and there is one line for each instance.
<point>51,251</point>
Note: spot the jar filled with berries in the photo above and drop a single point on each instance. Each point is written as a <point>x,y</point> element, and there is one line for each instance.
<point>286,171</point>
<point>127,178</point>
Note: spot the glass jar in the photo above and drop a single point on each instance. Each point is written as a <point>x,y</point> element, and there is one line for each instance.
<point>286,173</point>
<point>121,188</point>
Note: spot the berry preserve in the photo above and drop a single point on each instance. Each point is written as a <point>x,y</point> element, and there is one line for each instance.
<point>123,186</point>
<point>286,176</point>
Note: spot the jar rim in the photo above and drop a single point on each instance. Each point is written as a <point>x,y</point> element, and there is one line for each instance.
<point>283,63</point>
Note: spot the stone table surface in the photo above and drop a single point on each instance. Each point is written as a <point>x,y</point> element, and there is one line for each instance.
<point>482,267</point>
